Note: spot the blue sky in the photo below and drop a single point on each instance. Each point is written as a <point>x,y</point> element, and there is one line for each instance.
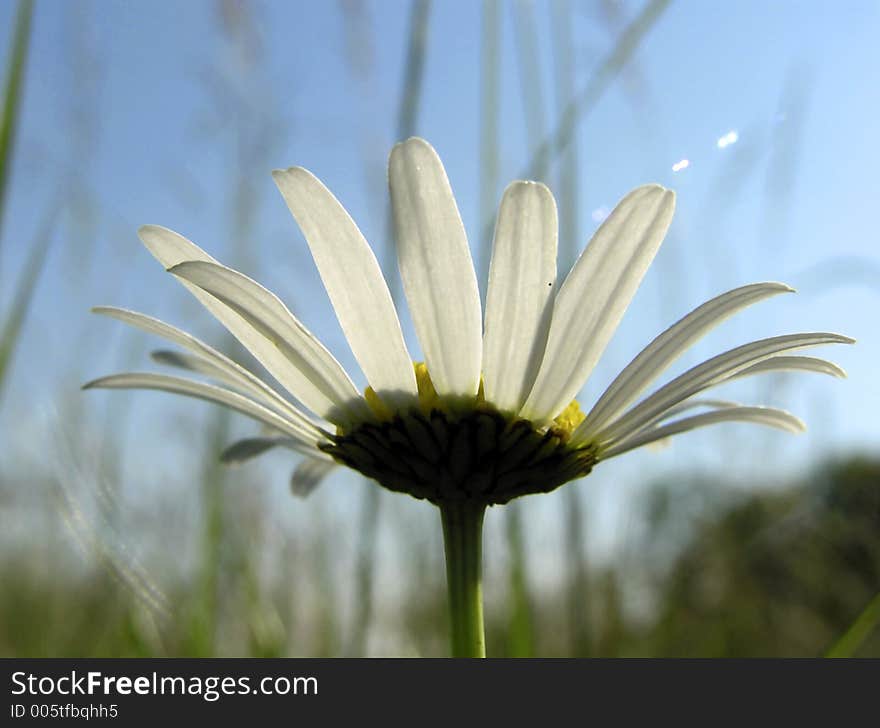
<point>133,114</point>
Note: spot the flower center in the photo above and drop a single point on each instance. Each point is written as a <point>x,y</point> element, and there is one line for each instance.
<point>471,452</point>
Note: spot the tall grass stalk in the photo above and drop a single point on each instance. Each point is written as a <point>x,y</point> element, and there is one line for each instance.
<point>567,191</point>
<point>414,68</point>
<point>327,628</point>
<point>116,417</point>
<point>12,96</point>
<point>577,584</point>
<point>521,625</point>
<point>574,537</point>
<point>212,487</point>
<point>15,69</point>
<point>360,66</point>
<point>29,277</point>
<point>532,96</point>
<point>786,142</point>
<point>370,508</point>
<point>631,38</point>
<point>490,91</point>
<point>489,105</point>
<point>786,138</point>
<point>521,628</point>
<point>225,565</point>
<point>864,626</point>
<point>365,569</point>
<point>554,143</point>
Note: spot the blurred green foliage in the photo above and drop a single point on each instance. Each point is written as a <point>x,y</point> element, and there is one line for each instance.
<point>779,571</point>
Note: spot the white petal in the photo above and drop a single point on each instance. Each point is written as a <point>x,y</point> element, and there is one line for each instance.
<point>595,295</point>
<point>710,373</point>
<point>236,374</point>
<point>775,363</point>
<point>355,284</point>
<point>436,268</point>
<point>196,365</point>
<point>282,344</point>
<point>172,249</point>
<point>655,358</point>
<point>308,475</point>
<point>795,363</point>
<point>758,415</point>
<point>243,450</point>
<point>716,404</point>
<point>522,274</point>
<point>210,393</point>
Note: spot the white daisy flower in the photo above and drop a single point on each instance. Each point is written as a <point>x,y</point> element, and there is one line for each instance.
<point>490,415</point>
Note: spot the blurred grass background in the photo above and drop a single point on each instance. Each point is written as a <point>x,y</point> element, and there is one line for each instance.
<point>123,535</point>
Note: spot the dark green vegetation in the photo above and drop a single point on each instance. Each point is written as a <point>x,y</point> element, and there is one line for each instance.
<point>781,571</point>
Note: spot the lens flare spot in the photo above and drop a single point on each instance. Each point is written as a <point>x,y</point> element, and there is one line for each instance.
<point>728,139</point>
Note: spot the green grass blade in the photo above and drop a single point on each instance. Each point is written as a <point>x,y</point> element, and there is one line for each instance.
<point>520,633</point>
<point>414,69</point>
<point>12,94</point>
<point>567,193</point>
<point>204,637</point>
<point>370,507</point>
<point>521,641</point>
<point>620,55</point>
<point>24,293</point>
<point>576,586</point>
<point>490,61</point>
<point>851,640</point>
<point>408,109</point>
<point>529,58</point>
<point>365,569</point>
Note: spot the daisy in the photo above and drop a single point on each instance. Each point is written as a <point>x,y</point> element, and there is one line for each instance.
<point>490,414</point>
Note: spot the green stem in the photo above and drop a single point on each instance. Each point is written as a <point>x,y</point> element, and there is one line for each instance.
<point>463,539</point>
<point>860,630</point>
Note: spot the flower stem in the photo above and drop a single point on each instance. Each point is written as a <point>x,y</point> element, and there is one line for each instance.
<point>463,539</point>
